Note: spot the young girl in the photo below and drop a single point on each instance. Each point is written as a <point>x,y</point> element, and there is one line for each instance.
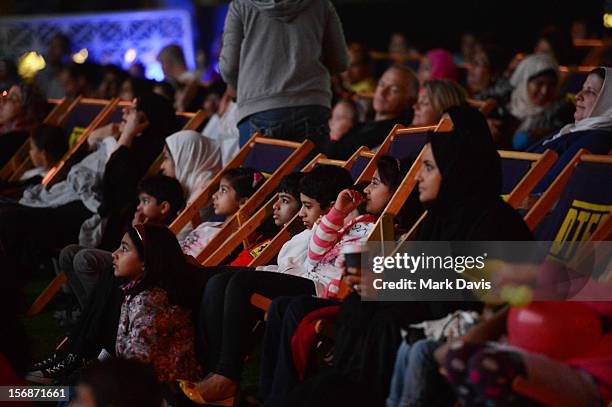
<point>155,322</point>
<point>340,226</point>
<point>235,188</point>
<point>344,117</point>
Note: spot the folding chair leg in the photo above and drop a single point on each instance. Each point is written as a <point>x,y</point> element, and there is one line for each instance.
<point>261,302</point>
<point>47,295</point>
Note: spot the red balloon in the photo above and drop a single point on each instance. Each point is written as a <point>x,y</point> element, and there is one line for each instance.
<point>560,330</point>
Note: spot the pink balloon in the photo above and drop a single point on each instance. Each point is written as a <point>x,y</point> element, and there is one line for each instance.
<point>560,330</point>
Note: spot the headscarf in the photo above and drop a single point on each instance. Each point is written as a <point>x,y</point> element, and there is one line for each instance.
<point>196,160</point>
<point>442,65</point>
<point>521,105</point>
<point>601,115</point>
<point>471,176</point>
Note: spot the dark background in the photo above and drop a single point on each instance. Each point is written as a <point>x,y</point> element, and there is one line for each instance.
<point>512,24</point>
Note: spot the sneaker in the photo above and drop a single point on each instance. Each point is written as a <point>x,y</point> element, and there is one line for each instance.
<point>50,361</point>
<point>62,368</point>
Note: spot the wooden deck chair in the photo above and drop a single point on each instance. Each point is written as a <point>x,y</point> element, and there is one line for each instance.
<point>485,106</point>
<point>275,157</point>
<point>581,198</point>
<point>521,173</point>
<point>357,163</point>
<point>100,119</point>
<point>192,121</point>
<point>73,119</point>
<point>402,142</point>
<point>253,147</point>
<point>14,168</point>
<point>295,226</point>
<point>266,211</point>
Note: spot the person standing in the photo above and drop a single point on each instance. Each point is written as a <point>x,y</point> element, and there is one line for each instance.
<point>279,56</point>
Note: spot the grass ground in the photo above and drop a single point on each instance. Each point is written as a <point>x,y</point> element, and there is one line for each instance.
<point>43,331</point>
<point>45,334</point>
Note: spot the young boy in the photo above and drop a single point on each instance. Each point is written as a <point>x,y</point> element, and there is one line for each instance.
<point>48,144</point>
<point>284,209</point>
<point>317,195</point>
<point>161,199</point>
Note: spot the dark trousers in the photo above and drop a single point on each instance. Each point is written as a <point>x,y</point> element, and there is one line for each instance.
<point>278,374</point>
<point>227,316</point>
<point>27,233</point>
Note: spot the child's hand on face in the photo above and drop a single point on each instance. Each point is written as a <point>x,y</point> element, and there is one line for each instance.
<point>348,200</point>
<point>139,218</point>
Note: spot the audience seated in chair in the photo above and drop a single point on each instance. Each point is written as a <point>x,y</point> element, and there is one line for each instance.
<point>99,187</point>
<point>592,127</point>
<point>535,106</point>
<point>460,208</point>
<point>22,108</point>
<point>395,93</point>
<point>48,144</point>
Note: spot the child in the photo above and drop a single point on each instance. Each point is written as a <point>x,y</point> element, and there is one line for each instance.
<point>236,187</point>
<point>155,322</point>
<point>279,373</point>
<point>161,199</point>
<point>48,144</point>
<point>343,118</point>
<point>226,335</point>
<point>284,209</point>
<point>119,383</point>
<point>338,227</point>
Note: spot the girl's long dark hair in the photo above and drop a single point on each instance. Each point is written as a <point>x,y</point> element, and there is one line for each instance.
<point>392,172</point>
<point>165,266</point>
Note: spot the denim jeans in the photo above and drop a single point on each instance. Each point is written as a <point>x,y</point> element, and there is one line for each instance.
<point>289,123</point>
<point>416,381</point>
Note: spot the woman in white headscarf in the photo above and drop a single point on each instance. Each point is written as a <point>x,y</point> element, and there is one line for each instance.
<point>192,159</point>
<point>592,128</point>
<point>534,102</point>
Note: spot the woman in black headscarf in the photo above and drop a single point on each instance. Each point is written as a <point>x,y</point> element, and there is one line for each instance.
<point>466,205</point>
<point>460,185</point>
<point>103,183</point>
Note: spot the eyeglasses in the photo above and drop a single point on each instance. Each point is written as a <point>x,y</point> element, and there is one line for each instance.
<point>10,97</point>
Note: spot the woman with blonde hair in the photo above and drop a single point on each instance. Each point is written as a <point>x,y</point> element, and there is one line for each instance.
<point>434,98</point>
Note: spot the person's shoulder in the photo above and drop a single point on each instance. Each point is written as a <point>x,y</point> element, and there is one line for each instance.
<point>508,223</point>
<point>151,298</point>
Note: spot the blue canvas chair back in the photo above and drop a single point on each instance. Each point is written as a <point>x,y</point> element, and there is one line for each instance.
<point>358,166</point>
<point>408,146</point>
<point>266,157</point>
<point>116,115</point>
<point>83,115</point>
<point>584,205</point>
<point>513,171</point>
